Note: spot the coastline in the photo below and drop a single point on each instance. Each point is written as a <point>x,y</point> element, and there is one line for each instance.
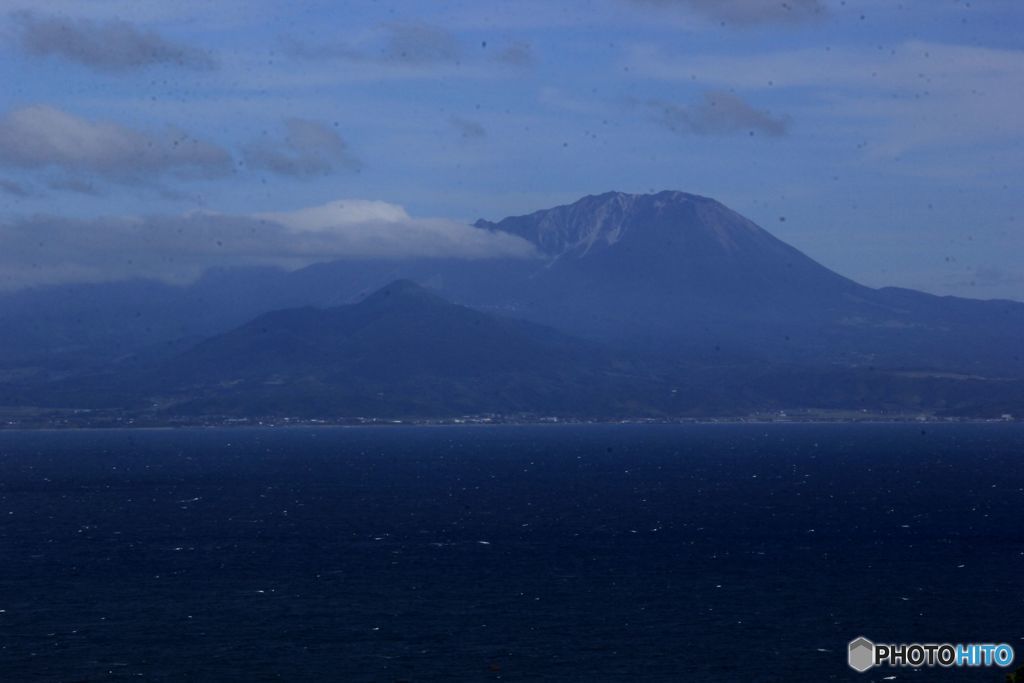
<point>93,420</point>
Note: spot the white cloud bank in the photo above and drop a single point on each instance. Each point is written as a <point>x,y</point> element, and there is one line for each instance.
<point>40,249</point>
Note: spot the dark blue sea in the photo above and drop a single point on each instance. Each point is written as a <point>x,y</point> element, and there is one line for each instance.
<point>554,553</point>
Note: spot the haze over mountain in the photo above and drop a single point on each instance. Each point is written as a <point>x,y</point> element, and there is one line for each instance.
<point>673,285</point>
<point>403,352</point>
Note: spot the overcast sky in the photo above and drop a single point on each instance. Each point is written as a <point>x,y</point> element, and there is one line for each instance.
<point>884,138</point>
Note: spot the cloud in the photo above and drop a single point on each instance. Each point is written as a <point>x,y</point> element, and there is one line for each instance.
<point>417,43</point>
<point>909,96</point>
<point>395,43</point>
<point>470,130</point>
<point>308,148</point>
<point>41,137</point>
<point>43,249</point>
<point>904,68</point>
<point>113,45</point>
<point>517,54</point>
<point>76,185</point>
<point>375,229</point>
<point>398,50</point>
<point>720,113</point>
<point>747,12</point>
<point>14,189</point>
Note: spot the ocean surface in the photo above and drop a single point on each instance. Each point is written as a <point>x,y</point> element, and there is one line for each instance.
<point>557,553</point>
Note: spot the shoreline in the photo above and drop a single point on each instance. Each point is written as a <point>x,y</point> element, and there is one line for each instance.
<point>94,423</point>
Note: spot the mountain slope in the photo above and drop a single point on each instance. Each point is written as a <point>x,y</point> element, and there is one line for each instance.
<point>405,352</point>
<point>680,240</point>
<point>688,276</point>
<point>670,273</point>
<point>401,351</point>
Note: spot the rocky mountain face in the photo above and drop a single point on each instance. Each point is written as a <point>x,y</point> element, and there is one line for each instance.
<point>693,237</point>
<point>631,266</point>
<point>683,274</point>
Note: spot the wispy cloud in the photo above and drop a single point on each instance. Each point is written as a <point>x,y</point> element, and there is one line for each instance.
<point>907,68</point>
<point>14,189</point>
<point>401,43</point>
<point>113,45</point>
<point>410,49</point>
<point>45,249</point>
<point>76,185</point>
<point>719,113</point>
<point>42,137</point>
<point>907,96</point>
<point>417,43</point>
<point>468,129</point>
<point>517,54</point>
<point>746,12</point>
<point>308,148</point>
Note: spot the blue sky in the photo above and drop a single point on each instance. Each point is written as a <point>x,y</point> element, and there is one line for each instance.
<point>883,138</point>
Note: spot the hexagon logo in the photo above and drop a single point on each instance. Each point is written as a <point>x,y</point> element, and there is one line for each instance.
<point>861,654</point>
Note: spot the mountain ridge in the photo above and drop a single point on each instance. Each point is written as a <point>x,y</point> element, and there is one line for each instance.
<point>401,350</point>
<point>669,284</point>
<point>599,210</point>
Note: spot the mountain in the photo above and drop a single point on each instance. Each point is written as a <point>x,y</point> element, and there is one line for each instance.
<point>673,288</point>
<point>404,352</point>
<point>671,240</point>
<point>401,351</point>
<point>668,266</point>
<point>686,275</point>
<point>58,328</point>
